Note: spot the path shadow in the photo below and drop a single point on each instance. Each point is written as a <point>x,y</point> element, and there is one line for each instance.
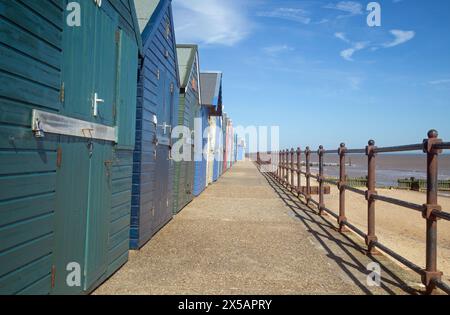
<point>344,249</point>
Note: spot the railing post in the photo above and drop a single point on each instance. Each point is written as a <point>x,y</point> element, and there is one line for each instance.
<point>371,237</point>
<point>283,175</point>
<point>341,186</point>
<point>431,273</point>
<point>288,167</point>
<point>279,166</point>
<point>308,174</point>
<point>299,169</point>
<point>292,170</point>
<point>321,153</point>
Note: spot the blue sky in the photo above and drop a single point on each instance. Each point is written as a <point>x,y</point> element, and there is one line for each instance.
<point>318,71</point>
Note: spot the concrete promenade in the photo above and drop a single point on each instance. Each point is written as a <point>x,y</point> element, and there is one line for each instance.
<point>247,235</point>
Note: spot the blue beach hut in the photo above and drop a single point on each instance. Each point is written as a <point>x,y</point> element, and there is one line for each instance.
<point>157,104</point>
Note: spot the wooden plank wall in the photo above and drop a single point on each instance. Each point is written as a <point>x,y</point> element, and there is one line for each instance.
<point>149,98</point>
<point>30,76</point>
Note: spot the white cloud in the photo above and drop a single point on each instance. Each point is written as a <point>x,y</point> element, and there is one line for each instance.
<point>210,22</point>
<point>342,36</point>
<point>291,14</point>
<point>347,54</point>
<point>401,37</point>
<point>350,7</point>
<point>276,50</point>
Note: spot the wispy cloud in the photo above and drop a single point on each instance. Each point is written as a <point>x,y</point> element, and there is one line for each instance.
<point>351,8</point>
<point>439,82</point>
<point>277,49</point>
<point>210,22</point>
<point>342,36</point>
<point>401,37</point>
<point>291,14</point>
<point>347,54</point>
<point>355,82</point>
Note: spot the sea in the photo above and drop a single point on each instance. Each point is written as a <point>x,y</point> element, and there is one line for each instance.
<point>390,167</point>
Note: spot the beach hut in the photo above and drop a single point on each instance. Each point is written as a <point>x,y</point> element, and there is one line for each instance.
<point>67,104</point>
<point>212,98</point>
<point>188,62</point>
<point>236,144</point>
<point>219,149</point>
<point>211,149</point>
<point>228,144</point>
<point>157,103</point>
<point>200,147</point>
<point>211,83</point>
<point>224,142</point>
<point>240,150</point>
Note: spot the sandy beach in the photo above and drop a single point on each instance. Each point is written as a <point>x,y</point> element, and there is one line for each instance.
<point>398,228</point>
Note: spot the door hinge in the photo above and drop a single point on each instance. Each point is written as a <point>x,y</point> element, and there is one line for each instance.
<point>53,276</point>
<point>59,157</point>
<point>62,93</point>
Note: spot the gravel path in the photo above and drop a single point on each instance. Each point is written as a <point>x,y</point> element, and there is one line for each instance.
<point>247,235</point>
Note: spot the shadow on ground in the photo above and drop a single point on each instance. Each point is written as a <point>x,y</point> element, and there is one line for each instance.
<point>347,250</point>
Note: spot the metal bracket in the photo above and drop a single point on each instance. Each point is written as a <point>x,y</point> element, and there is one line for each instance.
<point>428,277</point>
<point>46,122</point>
<point>428,146</point>
<point>370,150</point>
<point>370,240</point>
<point>341,220</point>
<point>342,150</point>
<point>428,210</point>
<point>369,194</point>
<point>341,185</point>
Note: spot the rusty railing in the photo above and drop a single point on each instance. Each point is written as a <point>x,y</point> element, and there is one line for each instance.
<point>284,172</point>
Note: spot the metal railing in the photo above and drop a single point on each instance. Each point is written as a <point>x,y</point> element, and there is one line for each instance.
<point>286,168</point>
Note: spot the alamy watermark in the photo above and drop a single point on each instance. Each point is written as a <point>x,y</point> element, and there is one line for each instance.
<point>73,278</point>
<point>374,17</point>
<point>211,142</point>
<point>374,277</point>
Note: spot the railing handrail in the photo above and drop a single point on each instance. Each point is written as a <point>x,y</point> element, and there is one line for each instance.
<point>431,211</point>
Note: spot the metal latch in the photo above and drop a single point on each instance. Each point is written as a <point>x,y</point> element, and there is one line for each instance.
<point>37,129</point>
<point>95,102</point>
<point>164,127</point>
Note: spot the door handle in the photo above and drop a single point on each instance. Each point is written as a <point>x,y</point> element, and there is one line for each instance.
<point>164,126</point>
<point>95,102</point>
